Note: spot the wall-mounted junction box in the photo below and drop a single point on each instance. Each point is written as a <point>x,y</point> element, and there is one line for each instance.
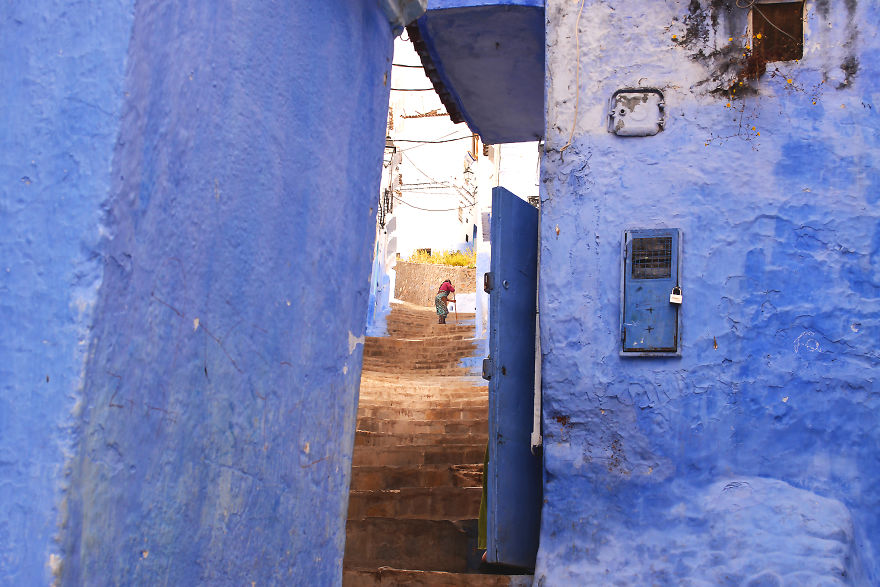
<point>636,112</point>
<point>651,293</point>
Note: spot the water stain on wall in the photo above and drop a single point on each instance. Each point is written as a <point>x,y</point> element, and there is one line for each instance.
<point>717,37</point>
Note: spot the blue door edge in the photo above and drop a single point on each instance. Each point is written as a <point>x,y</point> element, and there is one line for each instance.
<point>515,495</point>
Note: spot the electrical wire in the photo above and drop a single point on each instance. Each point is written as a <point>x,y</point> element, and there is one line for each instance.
<point>404,65</point>
<point>439,139</point>
<point>753,4</point>
<point>418,169</point>
<point>409,187</point>
<point>430,142</point>
<point>427,209</point>
<point>470,200</point>
<point>412,89</point>
<point>767,20</point>
<point>577,75</point>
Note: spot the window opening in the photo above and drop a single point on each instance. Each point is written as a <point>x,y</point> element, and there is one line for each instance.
<point>777,31</point>
<point>652,257</point>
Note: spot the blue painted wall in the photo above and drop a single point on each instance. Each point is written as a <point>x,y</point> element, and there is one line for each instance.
<point>61,81</point>
<point>190,189</point>
<point>754,456</point>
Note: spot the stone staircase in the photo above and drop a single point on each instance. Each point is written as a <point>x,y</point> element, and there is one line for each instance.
<point>418,458</point>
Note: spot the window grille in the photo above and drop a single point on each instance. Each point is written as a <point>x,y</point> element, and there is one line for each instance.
<point>652,257</point>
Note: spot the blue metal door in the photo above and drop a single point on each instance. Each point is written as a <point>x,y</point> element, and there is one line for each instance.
<point>650,272</point>
<point>514,480</point>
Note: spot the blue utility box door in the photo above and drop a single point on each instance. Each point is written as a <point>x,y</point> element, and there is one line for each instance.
<point>514,474</point>
<point>651,270</point>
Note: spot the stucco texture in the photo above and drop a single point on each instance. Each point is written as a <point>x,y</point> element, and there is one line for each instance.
<point>61,82</point>
<point>189,208</point>
<point>752,459</point>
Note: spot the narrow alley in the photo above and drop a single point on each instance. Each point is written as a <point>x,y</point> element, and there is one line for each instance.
<point>418,457</point>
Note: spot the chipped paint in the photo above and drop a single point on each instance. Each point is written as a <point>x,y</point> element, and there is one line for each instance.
<point>354,342</point>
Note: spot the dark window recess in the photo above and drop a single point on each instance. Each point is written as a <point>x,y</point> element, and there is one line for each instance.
<point>652,257</point>
<point>778,31</point>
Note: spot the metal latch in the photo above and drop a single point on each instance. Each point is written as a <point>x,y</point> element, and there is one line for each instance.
<point>487,366</point>
<point>488,281</point>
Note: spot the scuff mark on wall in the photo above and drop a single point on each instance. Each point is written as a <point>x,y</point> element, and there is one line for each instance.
<point>354,341</point>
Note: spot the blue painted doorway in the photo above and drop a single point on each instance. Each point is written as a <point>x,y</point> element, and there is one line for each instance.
<point>514,473</point>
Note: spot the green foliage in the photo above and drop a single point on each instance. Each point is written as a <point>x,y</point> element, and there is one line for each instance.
<point>454,258</point>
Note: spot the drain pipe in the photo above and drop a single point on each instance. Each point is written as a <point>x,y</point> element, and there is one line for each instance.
<point>537,439</point>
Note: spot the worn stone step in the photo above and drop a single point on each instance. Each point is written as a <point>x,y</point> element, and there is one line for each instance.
<point>369,398</point>
<point>390,577</point>
<point>405,384</point>
<point>381,439</point>
<point>427,371</point>
<point>368,456</point>
<point>419,404</point>
<point>417,344</point>
<point>446,368</point>
<point>440,387</point>
<point>396,477</point>
<point>430,545</point>
<point>370,390</point>
<point>401,413</point>
<point>399,426</point>
<point>416,503</point>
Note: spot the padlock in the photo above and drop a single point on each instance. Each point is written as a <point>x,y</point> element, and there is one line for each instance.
<point>675,296</point>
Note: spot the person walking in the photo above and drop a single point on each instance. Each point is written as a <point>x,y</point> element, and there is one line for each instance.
<point>441,300</point>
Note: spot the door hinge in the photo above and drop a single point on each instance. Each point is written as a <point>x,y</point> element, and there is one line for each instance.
<point>487,368</point>
<point>488,281</point>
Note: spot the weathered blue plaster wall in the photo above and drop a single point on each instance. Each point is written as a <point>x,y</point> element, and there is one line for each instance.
<point>188,208</point>
<point>219,408</point>
<point>752,459</point>
<point>62,67</point>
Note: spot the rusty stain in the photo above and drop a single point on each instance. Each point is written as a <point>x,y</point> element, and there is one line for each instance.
<point>557,230</point>
<point>562,420</point>
<point>614,462</point>
<point>714,343</point>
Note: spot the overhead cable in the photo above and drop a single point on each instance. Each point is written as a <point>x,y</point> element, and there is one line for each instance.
<point>428,209</point>
<point>430,142</point>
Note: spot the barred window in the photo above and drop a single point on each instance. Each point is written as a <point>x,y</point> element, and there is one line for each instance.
<point>652,257</point>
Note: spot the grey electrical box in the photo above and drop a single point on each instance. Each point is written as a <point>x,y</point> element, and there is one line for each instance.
<point>637,112</point>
